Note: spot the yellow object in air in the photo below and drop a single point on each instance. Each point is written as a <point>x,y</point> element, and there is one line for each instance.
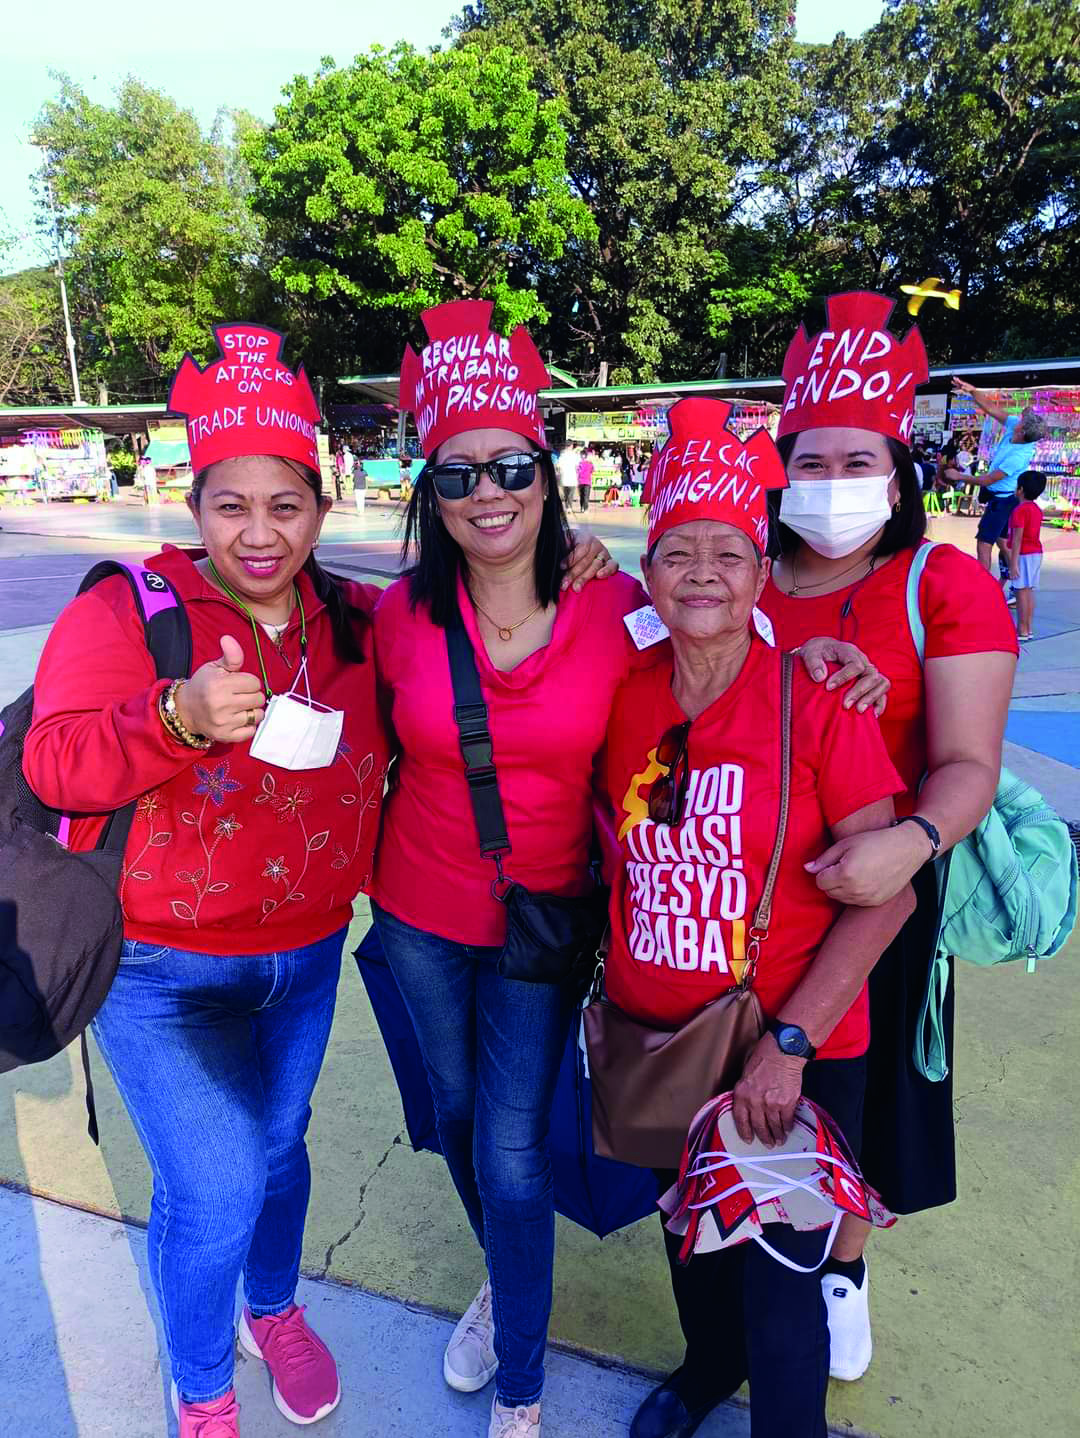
<point>931,289</point>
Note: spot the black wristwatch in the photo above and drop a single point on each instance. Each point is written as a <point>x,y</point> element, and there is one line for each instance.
<point>791,1039</point>
<point>928,829</point>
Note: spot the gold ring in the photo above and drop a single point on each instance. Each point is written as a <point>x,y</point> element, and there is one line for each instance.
<point>251,718</point>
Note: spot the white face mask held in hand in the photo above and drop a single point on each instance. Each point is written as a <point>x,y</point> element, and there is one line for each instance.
<point>296,732</point>
<point>836,516</point>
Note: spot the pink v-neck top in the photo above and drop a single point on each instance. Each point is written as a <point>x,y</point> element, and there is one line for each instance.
<point>548,717</point>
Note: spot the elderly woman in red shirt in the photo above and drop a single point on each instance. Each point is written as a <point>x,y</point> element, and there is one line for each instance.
<point>693,776</point>
<point>250,841</point>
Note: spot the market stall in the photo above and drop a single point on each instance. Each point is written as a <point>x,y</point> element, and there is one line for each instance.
<point>55,465</point>
<point>1058,455</point>
<point>164,470</point>
<point>611,433</point>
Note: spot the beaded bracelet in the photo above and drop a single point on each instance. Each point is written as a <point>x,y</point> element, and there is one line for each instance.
<point>170,718</point>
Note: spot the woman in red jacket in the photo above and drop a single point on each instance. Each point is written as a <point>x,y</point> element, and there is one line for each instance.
<point>241,868</point>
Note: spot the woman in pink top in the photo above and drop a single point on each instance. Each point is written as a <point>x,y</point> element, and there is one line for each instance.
<point>491,537</point>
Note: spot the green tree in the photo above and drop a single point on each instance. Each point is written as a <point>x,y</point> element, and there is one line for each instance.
<point>407,179</point>
<point>977,164</point>
<point>672,105</point>
<point>33,368</point>
<point>808,225</point>
<point>160,243</point>
<point>943,142</point>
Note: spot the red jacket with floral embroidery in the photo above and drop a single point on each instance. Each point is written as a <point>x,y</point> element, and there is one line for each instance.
<point>227,855</point>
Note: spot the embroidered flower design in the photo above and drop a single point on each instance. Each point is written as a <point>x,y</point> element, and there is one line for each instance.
<point>228,826</point>
<point>288,805</point>
<point>148,806</point>
<point>215,783</point>
<point>277,870</point>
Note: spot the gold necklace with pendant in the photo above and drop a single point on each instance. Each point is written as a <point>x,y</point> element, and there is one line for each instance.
<point>506,631</point>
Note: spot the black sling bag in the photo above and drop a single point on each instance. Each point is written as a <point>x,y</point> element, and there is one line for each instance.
<point>549,939</point>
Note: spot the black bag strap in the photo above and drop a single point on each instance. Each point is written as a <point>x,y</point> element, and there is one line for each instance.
<point>474,736</point>
<point>168,638</point>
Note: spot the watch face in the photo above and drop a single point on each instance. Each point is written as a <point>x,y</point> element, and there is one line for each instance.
<point>792,1040</point>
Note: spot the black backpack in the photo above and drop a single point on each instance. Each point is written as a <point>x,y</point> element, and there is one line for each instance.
<point>61,926</point>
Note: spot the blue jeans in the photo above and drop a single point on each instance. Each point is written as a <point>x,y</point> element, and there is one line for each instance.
<point>215,1059</point>
<point>492,1049</point>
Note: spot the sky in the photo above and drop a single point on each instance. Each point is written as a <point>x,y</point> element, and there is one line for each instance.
<point>213,54</point>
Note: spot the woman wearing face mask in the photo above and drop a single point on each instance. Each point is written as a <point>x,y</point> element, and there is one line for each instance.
<point>254,830</point>
<point>850,525</point>
<point>491,537</point>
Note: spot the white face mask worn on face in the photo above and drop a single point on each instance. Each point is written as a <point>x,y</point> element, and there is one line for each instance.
<point>296,732</point>
<point>836,516</point>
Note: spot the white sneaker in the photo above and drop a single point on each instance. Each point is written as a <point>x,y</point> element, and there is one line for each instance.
<point>850,1344</point>
<point>469,1363</point>
<point>514,1422</point>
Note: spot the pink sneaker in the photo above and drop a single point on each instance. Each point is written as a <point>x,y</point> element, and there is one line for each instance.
<point>210,1420</point>
<point>306,1386</point>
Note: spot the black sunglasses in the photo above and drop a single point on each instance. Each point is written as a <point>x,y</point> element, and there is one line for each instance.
<point>668,794</point>
<point>458,480</point>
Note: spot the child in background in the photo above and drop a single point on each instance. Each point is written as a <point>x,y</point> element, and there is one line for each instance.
<point>1025,548</point>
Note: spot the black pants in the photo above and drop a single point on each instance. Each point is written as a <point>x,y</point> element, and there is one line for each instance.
<point>583,496</point>
<point>746,1316</point>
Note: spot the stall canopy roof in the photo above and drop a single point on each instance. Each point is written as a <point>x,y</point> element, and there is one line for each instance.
<point>111,418</point>
<point>168,453</point>
<point>998,374</point>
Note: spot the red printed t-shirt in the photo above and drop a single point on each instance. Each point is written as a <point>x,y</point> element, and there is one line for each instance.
<point>962,607</point>
<point>547,717</point>
<point>685,895</point>
<point>1027,516</point>
<point>227,854</point>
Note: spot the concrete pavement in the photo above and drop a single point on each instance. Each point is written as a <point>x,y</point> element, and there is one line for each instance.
<point>103,1377</point>
<point>973,1305</point>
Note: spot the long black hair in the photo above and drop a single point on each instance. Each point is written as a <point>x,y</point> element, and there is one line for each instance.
<point>904,529</point>
<point>439,558</point>
<point>345,619</point>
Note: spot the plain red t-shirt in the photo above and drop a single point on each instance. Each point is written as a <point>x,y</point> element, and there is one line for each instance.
<point>547,716</point>
<point>685,895</point>
<point>962,607</point>
<point>1027,516</point>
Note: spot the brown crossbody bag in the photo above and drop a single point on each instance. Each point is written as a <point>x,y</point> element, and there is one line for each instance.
<point>648,1083</point>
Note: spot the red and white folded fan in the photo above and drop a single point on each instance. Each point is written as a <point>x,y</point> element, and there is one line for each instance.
<point>728,1190</point>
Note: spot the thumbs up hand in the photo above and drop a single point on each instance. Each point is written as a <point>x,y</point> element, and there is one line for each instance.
<point>232,656</point>
<point>220,700</point>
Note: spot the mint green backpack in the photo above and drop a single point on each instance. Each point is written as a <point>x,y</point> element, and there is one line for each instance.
<point>1008,891</point>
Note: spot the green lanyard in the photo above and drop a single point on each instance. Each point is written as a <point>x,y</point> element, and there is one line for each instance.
<point>255,625</point>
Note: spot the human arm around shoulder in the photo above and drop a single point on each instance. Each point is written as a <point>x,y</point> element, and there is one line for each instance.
<point>971,651</point>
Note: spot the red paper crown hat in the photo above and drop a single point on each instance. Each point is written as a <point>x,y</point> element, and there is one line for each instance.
<point>246,402</point>
<point>854,374</point>
<point>705,471</point>
<point>468,377</point>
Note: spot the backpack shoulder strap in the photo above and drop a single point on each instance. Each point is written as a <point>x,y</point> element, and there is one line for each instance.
<point>914,611</point>
<point>168,638</point>
<point>164,618</point>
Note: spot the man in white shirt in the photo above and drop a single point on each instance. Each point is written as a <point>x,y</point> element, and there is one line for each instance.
<point>566,464</point>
